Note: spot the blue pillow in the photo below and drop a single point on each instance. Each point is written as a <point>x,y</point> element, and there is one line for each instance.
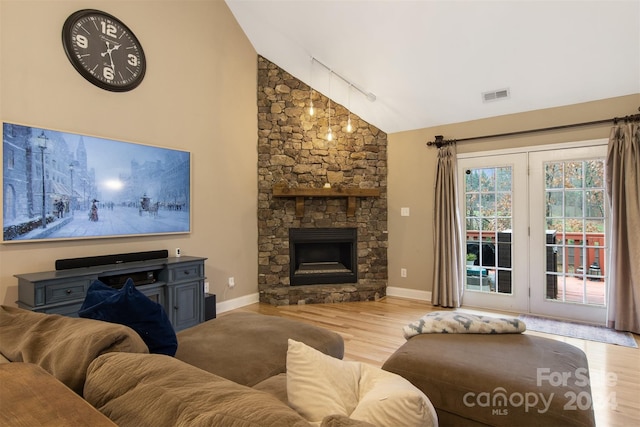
<point>128,306</point>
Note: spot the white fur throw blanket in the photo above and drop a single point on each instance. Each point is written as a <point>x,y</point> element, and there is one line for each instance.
<point>452,322</point>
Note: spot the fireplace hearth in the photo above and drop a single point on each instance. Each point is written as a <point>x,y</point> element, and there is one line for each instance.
<point>323,255</point>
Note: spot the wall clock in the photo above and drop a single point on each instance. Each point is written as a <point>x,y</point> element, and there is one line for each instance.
<point>104,50</point>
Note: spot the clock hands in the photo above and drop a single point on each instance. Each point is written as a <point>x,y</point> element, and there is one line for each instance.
<point>108,52</point>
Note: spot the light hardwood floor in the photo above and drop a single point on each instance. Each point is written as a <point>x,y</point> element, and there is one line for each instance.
<point>372,331</point>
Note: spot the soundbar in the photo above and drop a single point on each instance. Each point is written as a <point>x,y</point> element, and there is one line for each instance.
<point>92,261</point>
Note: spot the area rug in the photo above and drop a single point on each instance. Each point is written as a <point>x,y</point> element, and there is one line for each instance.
<point>578,330</point>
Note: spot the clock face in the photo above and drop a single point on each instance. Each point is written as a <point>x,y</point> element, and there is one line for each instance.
<point>103,50</point>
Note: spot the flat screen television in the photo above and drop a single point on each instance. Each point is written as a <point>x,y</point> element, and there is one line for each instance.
<point>60,185</point>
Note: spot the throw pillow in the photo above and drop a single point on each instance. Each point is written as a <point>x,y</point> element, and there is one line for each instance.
<point>455,322</point>
<point>128,306</point>
<point>387,399</point>
<point>319,385</point>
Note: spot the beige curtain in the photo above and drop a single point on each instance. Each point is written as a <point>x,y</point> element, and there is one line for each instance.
<point>623,186</point>
<point>447,275</point>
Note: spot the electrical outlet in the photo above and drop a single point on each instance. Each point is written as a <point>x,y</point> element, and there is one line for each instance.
<point>404,211</point>
<point>232,282</point>
<point>178,252</point>
<point>206,287</point>
<point>403,272</point>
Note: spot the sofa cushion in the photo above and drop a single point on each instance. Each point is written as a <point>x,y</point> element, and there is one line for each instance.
<point>128,306</point>
<point>276,386</point>
<point>318,385</point>
<point>31,397</point>
<point>63,346</point>
<point>157,390</point>
<point>248,348</point>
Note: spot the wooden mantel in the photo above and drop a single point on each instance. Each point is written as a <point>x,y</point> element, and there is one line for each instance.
<point>301,192</point>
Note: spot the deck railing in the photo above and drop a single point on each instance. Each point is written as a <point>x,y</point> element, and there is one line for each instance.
<point>577,253</point>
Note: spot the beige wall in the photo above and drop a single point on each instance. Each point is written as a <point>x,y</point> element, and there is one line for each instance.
<point>199,94</point>
<point>412,172</point>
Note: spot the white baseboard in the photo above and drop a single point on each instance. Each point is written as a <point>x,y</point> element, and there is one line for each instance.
<point>393,291</point>
<point>234,303</point>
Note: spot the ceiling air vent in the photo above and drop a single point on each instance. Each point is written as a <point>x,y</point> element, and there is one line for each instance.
<point>495,95</point>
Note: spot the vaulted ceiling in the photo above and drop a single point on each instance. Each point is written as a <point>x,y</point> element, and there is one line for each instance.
<point>429,62</point>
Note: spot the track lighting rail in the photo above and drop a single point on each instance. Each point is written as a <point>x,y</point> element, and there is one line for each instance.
<point>370,96</point>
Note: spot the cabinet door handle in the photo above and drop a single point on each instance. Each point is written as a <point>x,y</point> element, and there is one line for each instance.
<point>186,272</point>
<point>175,307</point>
<point>68,291</point>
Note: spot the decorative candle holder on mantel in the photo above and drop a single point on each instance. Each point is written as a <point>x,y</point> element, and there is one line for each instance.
<point>281,190</point>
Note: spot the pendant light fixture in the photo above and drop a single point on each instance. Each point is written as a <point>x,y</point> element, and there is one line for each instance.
<point>311,89</point>
<point>329,134</point>
<point>349,127</point>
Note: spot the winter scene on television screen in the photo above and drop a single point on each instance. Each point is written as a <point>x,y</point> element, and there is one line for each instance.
<point>59,185</point>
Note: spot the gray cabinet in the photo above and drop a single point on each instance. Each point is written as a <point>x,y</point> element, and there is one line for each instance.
<point>175,283</point>
<point>186,295</point>
<point>187,308</point>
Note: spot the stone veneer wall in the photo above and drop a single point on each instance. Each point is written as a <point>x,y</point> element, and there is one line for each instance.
<point>293,150</point>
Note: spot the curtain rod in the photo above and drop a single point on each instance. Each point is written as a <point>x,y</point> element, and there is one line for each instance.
<point>440,141</point>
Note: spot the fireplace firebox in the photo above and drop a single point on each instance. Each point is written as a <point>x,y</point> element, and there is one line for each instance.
<point>323,255</point>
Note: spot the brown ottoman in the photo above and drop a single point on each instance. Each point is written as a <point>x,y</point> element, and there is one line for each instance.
<point>248,348</point>
<point>498,380</point>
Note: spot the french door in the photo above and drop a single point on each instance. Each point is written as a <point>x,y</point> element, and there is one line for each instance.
<point>535,227</point>
<point>493,200</point>
<point>569,214</point>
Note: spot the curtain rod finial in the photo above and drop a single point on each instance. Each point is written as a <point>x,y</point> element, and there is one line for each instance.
<point>439,142</point>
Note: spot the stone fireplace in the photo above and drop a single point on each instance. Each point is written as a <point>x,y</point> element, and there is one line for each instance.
<point>323,255</point>
<point>322,206</point>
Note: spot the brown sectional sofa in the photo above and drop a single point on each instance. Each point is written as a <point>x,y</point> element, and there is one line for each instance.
<point>110,367</point>
<point>230,371</point>
<point>63,346</point>
<point>30,397</point>
<point>157,390</point>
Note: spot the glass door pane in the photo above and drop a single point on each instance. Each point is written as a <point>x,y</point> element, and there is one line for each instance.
<point>488,195</point>
<point>575,238</point>
<point>495,230</point>
<point>569,245</point>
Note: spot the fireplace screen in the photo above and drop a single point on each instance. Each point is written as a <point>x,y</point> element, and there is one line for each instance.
<point>323,255</point>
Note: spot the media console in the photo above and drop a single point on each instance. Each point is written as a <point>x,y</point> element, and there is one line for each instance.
<point>177,283</point>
